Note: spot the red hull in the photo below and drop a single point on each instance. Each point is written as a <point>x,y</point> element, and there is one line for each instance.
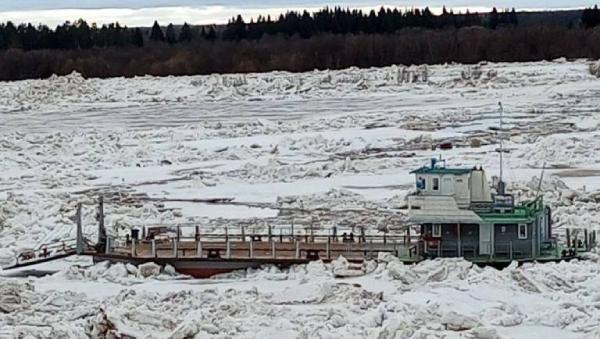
<point>203,273</point>
<point>202,268</point>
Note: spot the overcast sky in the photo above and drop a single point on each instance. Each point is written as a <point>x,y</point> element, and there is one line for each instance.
<point>144,12</point>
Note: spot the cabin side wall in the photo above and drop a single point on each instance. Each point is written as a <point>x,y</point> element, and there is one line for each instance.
<point>506,239</point>
<point>450,243</point>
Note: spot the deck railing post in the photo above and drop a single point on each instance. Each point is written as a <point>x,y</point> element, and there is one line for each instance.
<point>199,248</point>
<point>251,248</point>
<point>243,234</point>
<point>270,234</point>
<point>586,240</point>
<point>568,238</point>
<point>418,248</point>
<point>226,234</point>
<point>101,228</point>
<point>280,235</point>
<point>154,248</point>
<point>396,249</point>
<point>297,250</point>
<point>273,249</point>
<point>370,248</point>
<point>107,249</point>
<point>80,243</point>
<point>175,249</point>
<point>335,233</point>
<point>293,238</point>
<point>133,240</point>
<point>459,240</point>
<point>328,248</point>
<point>384,238</point>
<point>228,249</point>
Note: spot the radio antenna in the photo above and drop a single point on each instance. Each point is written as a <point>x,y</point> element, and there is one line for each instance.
<point>539,188</point>
<point>501,150</point>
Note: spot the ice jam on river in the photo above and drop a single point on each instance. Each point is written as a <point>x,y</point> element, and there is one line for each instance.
<point>339,144</point>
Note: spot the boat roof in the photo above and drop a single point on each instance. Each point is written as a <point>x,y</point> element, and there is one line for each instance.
<point>442,209</point>
<point>441,170</point>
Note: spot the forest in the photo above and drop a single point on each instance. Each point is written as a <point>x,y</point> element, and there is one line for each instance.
<point>295,41</point>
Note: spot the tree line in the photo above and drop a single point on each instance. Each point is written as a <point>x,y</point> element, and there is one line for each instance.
<point>325,51</point>
<point>590,17</point>
<point>76,35</point>
<point>346,21</point>
<point>81,35</point>
<point>335,39</point>
<point>186,34</point>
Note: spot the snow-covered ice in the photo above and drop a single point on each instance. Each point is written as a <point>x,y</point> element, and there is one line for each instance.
<point>336,141</point>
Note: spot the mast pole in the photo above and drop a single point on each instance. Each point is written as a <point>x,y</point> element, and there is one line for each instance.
<point>500,189</point>
<point>500,136</point>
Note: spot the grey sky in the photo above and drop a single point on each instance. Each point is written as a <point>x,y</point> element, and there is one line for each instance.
<point>143,12</point>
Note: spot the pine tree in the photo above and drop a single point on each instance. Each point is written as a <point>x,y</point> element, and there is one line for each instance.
<point>157,33</point>
<point>212,34</point>
<point>185,35</point>
<point>11,36</point>
<point>170,36</point>
<point>3,44</point>
<point>513,18</point>
<point>83,34</point>
<point>138,38</point>
<point>493,19</point>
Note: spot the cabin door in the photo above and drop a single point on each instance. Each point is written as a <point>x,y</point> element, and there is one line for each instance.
<point>485,239</point>
<point>447,185</point>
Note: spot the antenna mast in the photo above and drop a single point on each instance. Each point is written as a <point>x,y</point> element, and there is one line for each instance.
<point>501,150</point>
<point>539,188</point>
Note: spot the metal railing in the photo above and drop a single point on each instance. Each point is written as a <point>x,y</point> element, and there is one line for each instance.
<point>297,244</point>
<point>47,251</point>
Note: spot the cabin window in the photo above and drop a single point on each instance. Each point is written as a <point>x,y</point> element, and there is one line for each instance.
<point>421,183</point>
<point>436,230</point>
<point>435,184</point>
<point>522,231</point>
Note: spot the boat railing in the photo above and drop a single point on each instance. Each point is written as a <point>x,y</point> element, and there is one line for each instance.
<point>46,252</point>
<point>264,244</point>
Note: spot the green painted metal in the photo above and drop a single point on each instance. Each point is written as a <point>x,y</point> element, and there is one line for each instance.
<point>524,213</point>
<point>549,255</point>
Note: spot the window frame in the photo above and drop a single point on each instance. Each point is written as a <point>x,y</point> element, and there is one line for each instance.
<point>433,185</point>
<point>434,233</point>
<point>519,226</point>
